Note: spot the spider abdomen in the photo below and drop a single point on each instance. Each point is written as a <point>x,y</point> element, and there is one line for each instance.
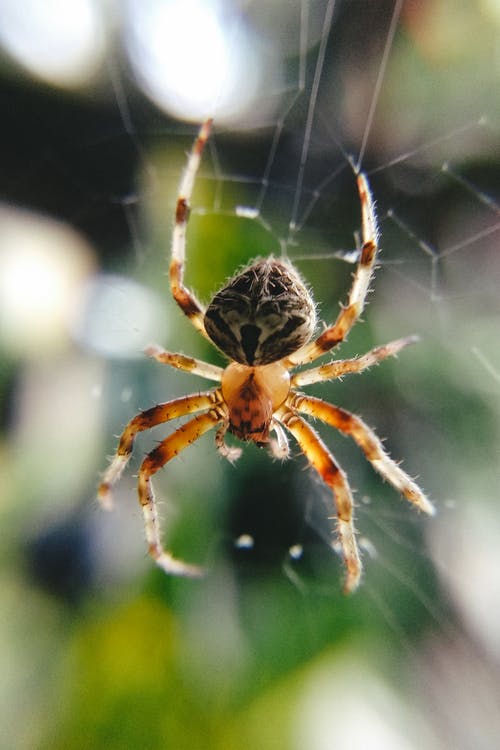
<point>263,314</point>
<point>252,395</point>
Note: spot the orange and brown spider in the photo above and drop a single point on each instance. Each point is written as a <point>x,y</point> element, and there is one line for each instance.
<point>263,321</point>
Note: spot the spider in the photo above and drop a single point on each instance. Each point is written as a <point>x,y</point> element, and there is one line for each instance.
<point>263,320</point>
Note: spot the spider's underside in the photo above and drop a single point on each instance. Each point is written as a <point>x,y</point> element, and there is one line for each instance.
<point>263,320</point>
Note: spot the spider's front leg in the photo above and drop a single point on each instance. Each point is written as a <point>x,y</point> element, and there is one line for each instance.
<point>166,450</point>
<point>322,460</point>
<point>144,421</point>
<point>370,444</point>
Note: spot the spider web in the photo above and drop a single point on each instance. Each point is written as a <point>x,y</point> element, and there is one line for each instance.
<point>392,88</point>
<point>290,189</point>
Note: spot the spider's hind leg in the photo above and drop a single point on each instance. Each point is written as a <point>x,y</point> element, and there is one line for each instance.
<point>190,306</point>
<point>349,313</point>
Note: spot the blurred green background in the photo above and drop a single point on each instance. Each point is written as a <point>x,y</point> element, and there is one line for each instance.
<point>99,649</point>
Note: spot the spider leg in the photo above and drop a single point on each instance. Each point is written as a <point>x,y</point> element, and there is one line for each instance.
<point>181,362</point>
<point>155,460</point>
<point>349,314</point>
<point>184,297</point>
<point>231,453</point>
<point>279,447</point>
<point>369,443</point>
<point>322,460</point>
<point>342,367</point>
<point>144,421</point>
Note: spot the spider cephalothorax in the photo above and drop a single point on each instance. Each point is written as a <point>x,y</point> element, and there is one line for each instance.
<point>263,314</point>
<point>263,320</point>
<point>252,395</point>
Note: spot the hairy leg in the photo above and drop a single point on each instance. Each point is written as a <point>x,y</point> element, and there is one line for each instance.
<point>184,297</point>
<point>154,461</point>
<point>350,313</point>
<point>144,421</point>
<point>369,443</point>
<point>342,367</point>
<point>182,362</point>
<point>322,460</point>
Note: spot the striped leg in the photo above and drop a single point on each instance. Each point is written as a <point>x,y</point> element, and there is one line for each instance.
<point>181,362</point>
<point>369,443</point>
<point>167,449</point>
<point>182,295</point>
<point>144,421</point>
<point>321,459</point>
<point>357,296</point>
<point>341,367</point>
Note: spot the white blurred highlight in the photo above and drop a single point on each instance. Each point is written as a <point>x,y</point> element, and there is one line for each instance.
<point>42,265</point>
<point>465,547</point>
<point>193,59</point>
<point>244,541</point>
<point>61,43</point>
<point>343,704</point>
<point>118,317</point>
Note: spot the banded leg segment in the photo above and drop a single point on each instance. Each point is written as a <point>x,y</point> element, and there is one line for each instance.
<point>330,472</point>
<point>359,289</point>
<point>182,362</point>
<point>144,421</point>
<point>342,367</point>
<point>184,297</point>
<point>154,461</point>
<point>369,443</point>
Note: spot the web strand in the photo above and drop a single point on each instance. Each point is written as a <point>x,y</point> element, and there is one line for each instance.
<point>327,24</point>
<point>378,83</point>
